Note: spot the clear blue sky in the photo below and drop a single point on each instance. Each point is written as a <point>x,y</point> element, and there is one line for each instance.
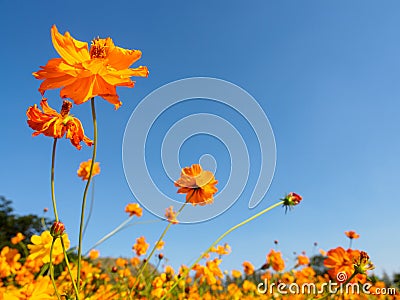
<point>327,74</point>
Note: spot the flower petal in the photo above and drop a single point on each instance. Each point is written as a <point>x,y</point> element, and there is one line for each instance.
<point>71,50</point>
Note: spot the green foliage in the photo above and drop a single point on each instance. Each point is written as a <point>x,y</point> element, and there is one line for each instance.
<point>11,224</point>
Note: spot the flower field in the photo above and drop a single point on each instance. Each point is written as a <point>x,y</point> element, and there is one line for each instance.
<point>46,266</point>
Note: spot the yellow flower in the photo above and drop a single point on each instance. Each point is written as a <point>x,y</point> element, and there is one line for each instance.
<point>40,248</point>
<point>83,73</point>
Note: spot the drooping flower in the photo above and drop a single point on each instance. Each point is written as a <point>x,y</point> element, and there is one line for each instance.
<point>197,184</point>
<point>84,169</point>
<point>53,124</point>
<point>40,247</point>
<point>352,234</point>
<point>83,73</point>
<point>140,246</point>
<point>134,209</point>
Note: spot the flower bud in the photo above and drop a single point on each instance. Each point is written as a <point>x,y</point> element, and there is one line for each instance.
<point>57,229</point>
<point>291,200</point>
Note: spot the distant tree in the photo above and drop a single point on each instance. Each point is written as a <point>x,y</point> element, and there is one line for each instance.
<point>317,263</point>
<point>11,224</point>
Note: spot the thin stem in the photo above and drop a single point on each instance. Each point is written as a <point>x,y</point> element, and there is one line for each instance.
<point>69,269</point>
<point>351,242</point>
<point>218,240</point>
<point>107,236</point>
<point>155,247</point>
<point>90,209</point>
<point>85,193</point>
<point>53,195</point>
<point>52,269</point>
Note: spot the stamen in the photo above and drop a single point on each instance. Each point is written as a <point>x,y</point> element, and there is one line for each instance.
<point>98,48</point>
<point>66,107</point>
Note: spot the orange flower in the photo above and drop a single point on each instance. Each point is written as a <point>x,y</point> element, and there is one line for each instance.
<point>197,184</point>
<point>274,259</point>
<point>134,209</point>
<point>84,169</point>
<point>352,234</point>
<point>302,260</point>
<point>18,238</point>
<point>248,268</point>
<point>221,250</point>
<point>171,215</point>
<point>83,73</point>
<point>160,245</point>
<point>93,254</point>
<point>341,261</point>
<point>54,124</point>
<point>141,246</point>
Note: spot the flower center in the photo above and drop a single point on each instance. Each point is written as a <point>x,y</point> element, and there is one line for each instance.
<point>98,48</point>
<point>66,107</point>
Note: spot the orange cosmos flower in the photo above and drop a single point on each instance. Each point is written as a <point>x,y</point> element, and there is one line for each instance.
<point>170,214</point>
<point>197,184</point>
<point>248,268</point>
<point>93,254</point>
<point>342,261</point>
<point>141,246</point>
<point>134,209</point>
<point>54,124</point>
<point>160,245</point>
<point>274,259</point>
<point>352,234</point>
<point>83,73</point>
<point>84,169</point>
<point>18,238</point>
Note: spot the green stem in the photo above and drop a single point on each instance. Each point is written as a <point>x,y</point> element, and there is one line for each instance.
<point>69,269</point>
<point>53,196</point>
<point>110,234</point>
<point>155,247</point>
<point>52,269</point>
<point>85,193</point>
<point>218,240</point>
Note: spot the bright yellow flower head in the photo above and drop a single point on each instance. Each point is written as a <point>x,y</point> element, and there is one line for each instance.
<point>83,73</point>
<point>40,248</point>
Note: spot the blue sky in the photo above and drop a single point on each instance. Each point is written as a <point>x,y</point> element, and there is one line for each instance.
<point>325,73</point>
